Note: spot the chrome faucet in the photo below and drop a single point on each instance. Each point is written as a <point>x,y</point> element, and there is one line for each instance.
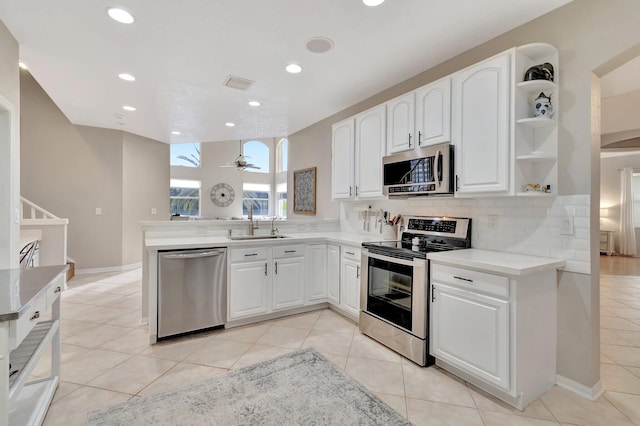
<point>252,225</point>
<point>274,230</point>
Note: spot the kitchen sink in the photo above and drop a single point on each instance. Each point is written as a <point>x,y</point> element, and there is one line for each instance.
<point>256,237</point>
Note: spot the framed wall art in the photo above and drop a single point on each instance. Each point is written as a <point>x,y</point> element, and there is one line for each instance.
<point>304,191</point>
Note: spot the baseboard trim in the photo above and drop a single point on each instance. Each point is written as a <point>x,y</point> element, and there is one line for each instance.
<point>122,268</point>
<point>591,393</point>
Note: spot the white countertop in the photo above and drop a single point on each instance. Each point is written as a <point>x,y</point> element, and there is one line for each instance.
<point>201,241</point>
<point>496,261</point>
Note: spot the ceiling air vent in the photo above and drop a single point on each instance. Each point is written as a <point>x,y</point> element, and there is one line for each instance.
<point>237,83</point>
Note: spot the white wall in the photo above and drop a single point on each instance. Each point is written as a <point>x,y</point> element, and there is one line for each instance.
<point>620,113</point>
<point>9,149</point>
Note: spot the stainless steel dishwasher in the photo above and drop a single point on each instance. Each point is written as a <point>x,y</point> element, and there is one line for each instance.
<point>192,290</point>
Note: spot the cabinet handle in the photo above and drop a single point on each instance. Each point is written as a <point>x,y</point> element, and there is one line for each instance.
<point>350,252</point>
<point>251,254</point>
<point>357,271</point>
<point>409,140</point>
<point>290,251</point>
<point>463,279</point>
<point>35,315</point>
<point>457,183</point>
<point>276,268</point>
<point>350,191</point>
<point>265,269</point>
<point>356,190</point>
<point>433,293</point>
<point>57,290</point>
<point>419,138</point>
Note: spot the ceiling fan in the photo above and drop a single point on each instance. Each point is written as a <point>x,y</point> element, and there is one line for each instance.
<point>240,163</point>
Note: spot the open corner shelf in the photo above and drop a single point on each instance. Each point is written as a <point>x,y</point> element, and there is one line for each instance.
<point>536,122</point>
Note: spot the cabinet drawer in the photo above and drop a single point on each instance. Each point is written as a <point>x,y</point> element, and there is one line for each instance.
<point>496,285</point>
<point>54,291</point>
<point>249,254</point>
<point>23,325</point>
<point>281,252</point>
<point>351,253</point>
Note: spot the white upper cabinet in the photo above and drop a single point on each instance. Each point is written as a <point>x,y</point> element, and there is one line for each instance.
<point>420,118</point>
<point>370,148</point>
<point>401,123</point>
<point>433,113</point>
<point>482,127</point>
<point>343,160</point>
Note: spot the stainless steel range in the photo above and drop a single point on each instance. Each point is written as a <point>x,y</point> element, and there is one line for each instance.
<point>394,299</point>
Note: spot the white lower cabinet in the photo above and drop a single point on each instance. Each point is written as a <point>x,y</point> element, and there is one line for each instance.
<point>495,331</point>
<point>265,279</point>
<point>248,289</point>
<point>472,330</point>
<point>288,282</point>
<point>333,273</point>
<point>316,273</point>
<point>350,281</point>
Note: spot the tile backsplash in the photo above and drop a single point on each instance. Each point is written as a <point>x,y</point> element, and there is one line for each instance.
<point>555,227</point>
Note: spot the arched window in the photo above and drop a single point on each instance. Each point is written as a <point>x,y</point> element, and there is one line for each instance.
<point>282,155</point>
<point>256,153</point>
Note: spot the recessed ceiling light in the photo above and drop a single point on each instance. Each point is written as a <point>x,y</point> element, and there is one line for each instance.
<point>229,124</point>
<point>22,65</point>
<point>120,15</point>
<point>128,108</point>
<point>126,77</point>
<point>175,133</point>
<point>319,44</point>
<point>254,103</point>
<point>372,2</point>
<point>293,68</point>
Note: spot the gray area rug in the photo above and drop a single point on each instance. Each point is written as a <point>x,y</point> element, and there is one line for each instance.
<point>301,388</point>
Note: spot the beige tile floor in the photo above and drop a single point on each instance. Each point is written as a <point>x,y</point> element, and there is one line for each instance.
<point>106,359</point>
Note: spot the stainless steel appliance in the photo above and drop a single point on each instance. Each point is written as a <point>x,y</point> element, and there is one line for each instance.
<point>394,299</point>
<point>192,287</point>
<point>421,171</point>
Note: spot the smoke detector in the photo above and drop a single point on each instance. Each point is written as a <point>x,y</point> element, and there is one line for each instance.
<point>319,44</point>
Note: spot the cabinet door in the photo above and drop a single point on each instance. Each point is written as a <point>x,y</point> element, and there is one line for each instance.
<point>370,147</point>
<point>481,123</point>
<point>401,123</point>
<point>316,273</point>
<point>343,160</point>
<point>248,289</point>
<point>350,286</point>
<point>333,273</point>
<point>288,283</point>
<point>471,332</point>
<point>433,113</point>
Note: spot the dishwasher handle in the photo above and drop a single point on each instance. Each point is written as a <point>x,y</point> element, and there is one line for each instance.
<point>210,253</point>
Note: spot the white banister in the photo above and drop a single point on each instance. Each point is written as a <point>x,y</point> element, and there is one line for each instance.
<point>35,209</point>
<point>37,223</point>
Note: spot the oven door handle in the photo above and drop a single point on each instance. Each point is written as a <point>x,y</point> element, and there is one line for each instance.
<point>390,259</point>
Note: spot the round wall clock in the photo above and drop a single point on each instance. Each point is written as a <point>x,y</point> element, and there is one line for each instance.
<point>222,195</point>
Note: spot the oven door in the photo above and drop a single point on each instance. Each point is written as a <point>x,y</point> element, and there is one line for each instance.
<point>395,291</point>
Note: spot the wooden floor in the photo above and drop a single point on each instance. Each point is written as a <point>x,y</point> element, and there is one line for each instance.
<point>619,265</point>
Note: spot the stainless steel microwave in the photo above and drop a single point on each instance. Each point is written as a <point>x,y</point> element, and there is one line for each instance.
<point>422,171</point>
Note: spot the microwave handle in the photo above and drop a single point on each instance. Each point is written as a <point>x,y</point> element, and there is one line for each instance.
<point>437,167</point>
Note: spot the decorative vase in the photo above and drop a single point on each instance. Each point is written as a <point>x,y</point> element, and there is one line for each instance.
<point>542,106</point>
